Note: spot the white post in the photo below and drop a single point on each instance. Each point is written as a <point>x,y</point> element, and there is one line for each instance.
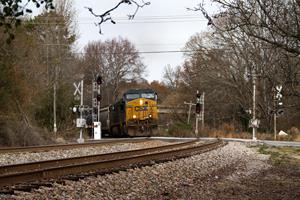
<point>197,120</point>
<point>189,115</point>
<point>190,110</point>
<point>275,128</point>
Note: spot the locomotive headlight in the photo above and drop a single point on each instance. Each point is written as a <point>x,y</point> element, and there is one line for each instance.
<point>134,116</point>
<point>150,116</point>
<point>141,101</point>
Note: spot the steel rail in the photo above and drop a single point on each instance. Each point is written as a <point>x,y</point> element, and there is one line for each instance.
<point>66,146</point>
<point>98,166</point>
<point>14,168</point>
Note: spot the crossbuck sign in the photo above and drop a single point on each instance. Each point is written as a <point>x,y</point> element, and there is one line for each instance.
<point>77,89</point>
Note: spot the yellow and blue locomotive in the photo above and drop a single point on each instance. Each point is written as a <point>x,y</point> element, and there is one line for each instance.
<point>135,114</point>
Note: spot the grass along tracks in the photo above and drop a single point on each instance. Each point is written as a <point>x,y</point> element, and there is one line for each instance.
<point>97,164</point>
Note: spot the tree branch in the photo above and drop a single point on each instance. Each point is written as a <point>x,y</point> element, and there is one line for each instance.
<point>106,15</point>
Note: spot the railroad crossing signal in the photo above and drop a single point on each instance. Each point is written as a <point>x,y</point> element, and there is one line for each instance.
<point>198,108</point>
<point>77,89</point>
<point>278,100</point>
<point>199,103</point>
<point>77,92</point>
<point>279,112</point>
<point>279,88</point>
<point>99,80</point>
<point>99,97</point>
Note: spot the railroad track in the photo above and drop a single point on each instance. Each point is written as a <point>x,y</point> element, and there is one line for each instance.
<point>67,146</point>
<point>31,175</point>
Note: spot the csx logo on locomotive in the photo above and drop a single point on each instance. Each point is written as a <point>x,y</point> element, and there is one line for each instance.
<point>141,108</point>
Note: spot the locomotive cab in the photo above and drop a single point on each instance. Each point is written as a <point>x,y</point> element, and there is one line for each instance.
<point>135,114</point>
<point>141,111</point>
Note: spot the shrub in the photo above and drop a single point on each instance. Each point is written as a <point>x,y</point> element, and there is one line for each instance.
<point>13,133</point>
<point>181,129</point>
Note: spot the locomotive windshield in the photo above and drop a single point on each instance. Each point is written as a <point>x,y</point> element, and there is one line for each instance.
<point>148,95</point>
<point>143,95</point>
<point>140,93</point>
<point>132,96</point>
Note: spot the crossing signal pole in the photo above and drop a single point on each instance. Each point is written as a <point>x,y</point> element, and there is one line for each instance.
<point>99,82</point>
<point>198,109</point>
<point>80,122</point>
<point>277,110</point>
<point>97,100</point>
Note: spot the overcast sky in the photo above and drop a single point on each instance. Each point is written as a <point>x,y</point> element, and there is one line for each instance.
<point>164,25</point>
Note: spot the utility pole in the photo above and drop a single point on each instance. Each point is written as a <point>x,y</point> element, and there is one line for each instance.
<point>202,113</point>
<point>190,109</point>
<point>55,85</point>
<point>254,121</point>
<point>54,101</point>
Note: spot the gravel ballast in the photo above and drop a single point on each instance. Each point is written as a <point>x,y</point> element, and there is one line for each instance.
<point>25,157</point>
<point>187,178</point>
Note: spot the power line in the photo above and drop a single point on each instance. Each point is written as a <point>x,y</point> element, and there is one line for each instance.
<point>167,51</point>
<point>126,22</point>
<point>160,44</point>
<point>136,18</point>
<point>144,52</point>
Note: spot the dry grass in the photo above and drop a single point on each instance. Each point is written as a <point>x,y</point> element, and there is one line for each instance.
<point>13,133</point>
<point>297,138</point>
<point>247,135</point>
<point>243,135</point>
<point>228,131</point>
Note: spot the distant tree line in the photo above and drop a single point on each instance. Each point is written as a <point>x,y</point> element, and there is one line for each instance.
<point>247,39</point>
<point>250,38</point>
<point>38,58</point>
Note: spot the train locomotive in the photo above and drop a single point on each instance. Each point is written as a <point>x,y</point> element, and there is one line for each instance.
<point>135,114</point>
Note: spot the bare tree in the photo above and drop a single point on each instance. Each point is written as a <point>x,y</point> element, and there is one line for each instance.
<point>273,21</point>
<point>106,16</point>
<point>116,60</point>
<point>171,77</point>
